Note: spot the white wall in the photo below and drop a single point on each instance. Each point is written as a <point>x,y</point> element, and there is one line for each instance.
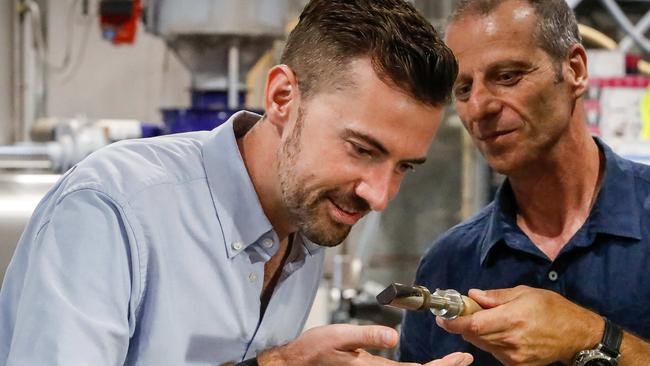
<point>126,81</point>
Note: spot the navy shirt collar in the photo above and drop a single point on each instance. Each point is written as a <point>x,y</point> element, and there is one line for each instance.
<point>615,211</point>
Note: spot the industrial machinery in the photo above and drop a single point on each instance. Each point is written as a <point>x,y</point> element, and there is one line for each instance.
<point>218,42</point>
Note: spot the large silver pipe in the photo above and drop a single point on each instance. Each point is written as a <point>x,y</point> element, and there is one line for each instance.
<point>31,151</point>
<point>26,157</point>
<point>19,195</point>
<point>39,88</point>
<point>6,119</point>
<point>27,82</point>
<point>233,77</point>
<point>17,74</point>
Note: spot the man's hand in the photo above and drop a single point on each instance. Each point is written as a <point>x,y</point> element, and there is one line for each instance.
<point>344,344</point>
<point>528,326</point>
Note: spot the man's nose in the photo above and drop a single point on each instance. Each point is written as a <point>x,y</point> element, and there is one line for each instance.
<point>378,187</point>
<point>482,104</point>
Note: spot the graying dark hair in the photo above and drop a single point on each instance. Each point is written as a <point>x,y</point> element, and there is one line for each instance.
<point>556,30</point>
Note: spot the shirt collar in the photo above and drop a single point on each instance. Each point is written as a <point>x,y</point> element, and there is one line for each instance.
<point>310,247</point>
<point>237,205</point>
<point>502,215</point>
<point>615,211</point>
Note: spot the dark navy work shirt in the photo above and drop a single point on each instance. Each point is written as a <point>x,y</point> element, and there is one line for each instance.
<point>604,267</point>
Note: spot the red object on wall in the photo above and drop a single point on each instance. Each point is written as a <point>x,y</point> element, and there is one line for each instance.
<point>119,20</point>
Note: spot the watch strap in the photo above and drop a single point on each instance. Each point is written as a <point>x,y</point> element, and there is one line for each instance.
<point>249,362</point>
<point>612,339</point>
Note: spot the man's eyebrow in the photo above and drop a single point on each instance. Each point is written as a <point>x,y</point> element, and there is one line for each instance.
<point>417,161</point>
<point>378,145</point>
<point>365,138</point>
<point>516,64</point>
<point>494,67</point>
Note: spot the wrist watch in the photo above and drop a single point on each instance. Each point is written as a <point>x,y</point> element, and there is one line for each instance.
<point>606,352</point>
<point>249,362</point>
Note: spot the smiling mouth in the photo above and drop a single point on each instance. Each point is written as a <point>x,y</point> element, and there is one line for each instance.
<point>343,216</point>
<point>494,135</point>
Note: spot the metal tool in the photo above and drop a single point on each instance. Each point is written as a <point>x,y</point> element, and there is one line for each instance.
<point>447,304</point>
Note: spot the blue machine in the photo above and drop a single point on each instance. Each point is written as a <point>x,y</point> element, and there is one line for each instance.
<point>208,110</point>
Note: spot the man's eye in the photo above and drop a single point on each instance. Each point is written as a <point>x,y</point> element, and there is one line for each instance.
<point>509,77</point>
<point>461,92</point>
<point>360,150</point>
<point>405,168</point>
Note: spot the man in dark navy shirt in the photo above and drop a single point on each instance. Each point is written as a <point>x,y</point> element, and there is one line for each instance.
<point>564,249</point>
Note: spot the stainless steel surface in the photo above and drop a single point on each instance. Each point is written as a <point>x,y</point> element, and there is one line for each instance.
<point>447,304</point>
<point>204,33</point>
<point>19,195</point>
<point>29,156</point>
<point>34,73</point>
<point>246,17</point>
<point>30,152</point>
<point>25,164</point>
<point>233,77</point>
<point>16,67</point>
<point>6,125</point>
<point>207,56</point>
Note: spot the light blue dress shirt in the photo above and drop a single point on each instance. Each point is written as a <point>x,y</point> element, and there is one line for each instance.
<point>152,252</point>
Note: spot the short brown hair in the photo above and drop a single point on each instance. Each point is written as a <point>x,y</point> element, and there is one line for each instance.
<point>403,46</point>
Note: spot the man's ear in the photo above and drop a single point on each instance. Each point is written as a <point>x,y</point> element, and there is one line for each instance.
<point>578,75</point>
<point>281,95</point>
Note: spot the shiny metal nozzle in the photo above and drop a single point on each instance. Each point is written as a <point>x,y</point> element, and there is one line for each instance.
<point>448,304</point>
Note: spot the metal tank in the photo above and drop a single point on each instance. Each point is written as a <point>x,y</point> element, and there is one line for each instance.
<point>218,42</point>
<point>19,195</point>
<point>203,33</point>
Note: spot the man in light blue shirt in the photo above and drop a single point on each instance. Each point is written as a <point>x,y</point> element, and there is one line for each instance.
<point>206,248</point>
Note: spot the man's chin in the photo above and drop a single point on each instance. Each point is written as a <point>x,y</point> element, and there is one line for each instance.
<point>327,238</point>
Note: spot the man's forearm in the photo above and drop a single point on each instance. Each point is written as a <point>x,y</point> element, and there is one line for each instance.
<point>271,357</point>
<point>634,351</point>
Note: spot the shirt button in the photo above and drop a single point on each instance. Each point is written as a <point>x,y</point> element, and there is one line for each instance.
<point>237,245</point>
<point>268,243</point>
<point>552,275</point>
<point>252,277</point>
